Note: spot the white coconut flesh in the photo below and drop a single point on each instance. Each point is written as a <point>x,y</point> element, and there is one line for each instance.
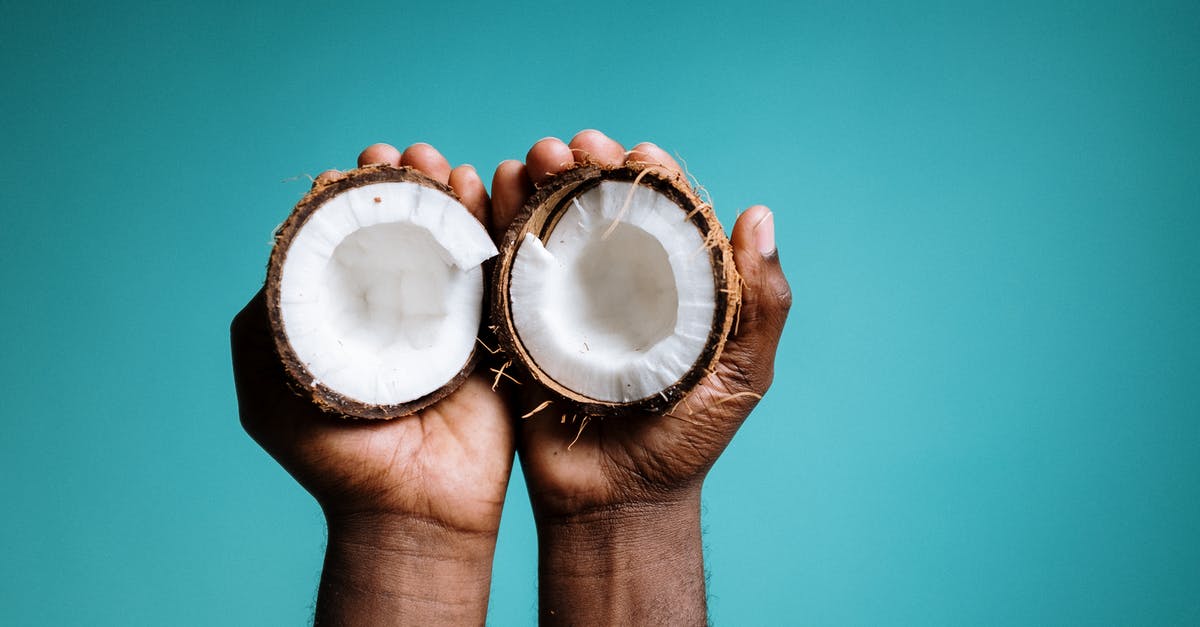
<point>617,303</point>
<point>381,291</point>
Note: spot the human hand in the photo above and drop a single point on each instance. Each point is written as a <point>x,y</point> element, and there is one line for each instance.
<point>617,500</point>
<point>649,459</point>
<point>412,504</point>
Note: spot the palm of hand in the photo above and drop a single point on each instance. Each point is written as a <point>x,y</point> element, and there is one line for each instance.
<point>448,464</point>
<point>575,466</point>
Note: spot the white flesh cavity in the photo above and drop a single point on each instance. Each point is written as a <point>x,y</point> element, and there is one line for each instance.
<point>381,301</point>
<point>616,318</point>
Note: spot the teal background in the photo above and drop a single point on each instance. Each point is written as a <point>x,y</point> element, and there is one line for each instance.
<point>985,409</point>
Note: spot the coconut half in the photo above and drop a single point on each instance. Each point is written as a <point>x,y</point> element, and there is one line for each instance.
<point>375,292</point>
<point>616,288</point>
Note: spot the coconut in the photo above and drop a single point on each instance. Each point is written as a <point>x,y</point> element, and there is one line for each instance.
<point>615,288</point>
<point>375,292</point>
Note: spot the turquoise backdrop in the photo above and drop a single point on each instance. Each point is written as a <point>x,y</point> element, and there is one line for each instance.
<point>985,411</point>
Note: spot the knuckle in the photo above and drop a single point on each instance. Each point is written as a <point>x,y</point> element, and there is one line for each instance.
<point>783,294</point>
<point>777,285</point>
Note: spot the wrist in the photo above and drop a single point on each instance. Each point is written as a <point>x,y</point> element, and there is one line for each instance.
<point>555,503</point>
<point>409,535</point>
<point>632,563</point>
<point>384,569</point>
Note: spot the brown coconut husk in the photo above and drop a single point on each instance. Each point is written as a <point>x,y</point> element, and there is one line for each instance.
<point>303,382</point>
<point>539,217</point>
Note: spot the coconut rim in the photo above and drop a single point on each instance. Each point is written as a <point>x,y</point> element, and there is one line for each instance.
<point>303,382</point>
<point>540,215</point>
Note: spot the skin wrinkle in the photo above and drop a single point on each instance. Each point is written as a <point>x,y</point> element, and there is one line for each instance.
<point>624,464</point>
<point>650,488</point>
<point>425,498</point>
<point>627,553</point>
<point>691,452</point>
<point>405,485</point>
<point>376,541</point>
<point>615,515</point>
<point>697,446</point>
<point>662,467</point>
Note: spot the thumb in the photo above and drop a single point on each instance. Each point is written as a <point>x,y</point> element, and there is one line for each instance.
<point>766,299</point>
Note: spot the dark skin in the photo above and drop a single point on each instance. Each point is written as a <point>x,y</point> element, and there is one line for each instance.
<point>413,504</point>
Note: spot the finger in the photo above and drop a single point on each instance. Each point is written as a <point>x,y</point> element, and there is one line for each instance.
<point>592,146</point>
<point>379,154</point>
<point>466,183</point>
<point>548,157</point>
<point>250,324</point>
<point>427,159</point>
<point>511,188</point>
<point>274,415</point>
<point>329,176</point>
<point>766,299</point>
<point>257,371</point>
<point>647,152</point>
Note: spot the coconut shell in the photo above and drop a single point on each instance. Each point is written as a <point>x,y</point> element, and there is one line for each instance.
<point>539,217</point>
<point>303,381</point>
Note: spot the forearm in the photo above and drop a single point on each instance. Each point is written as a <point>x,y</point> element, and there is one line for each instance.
<point>633,565</point>
<point>403,572</point>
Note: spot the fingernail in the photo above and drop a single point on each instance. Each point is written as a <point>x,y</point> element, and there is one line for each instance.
<point>764,235</point>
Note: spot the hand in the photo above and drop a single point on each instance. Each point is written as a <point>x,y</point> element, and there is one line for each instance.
<point>650,459</point>
<point>617,503</point>
<point>413,503</point>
